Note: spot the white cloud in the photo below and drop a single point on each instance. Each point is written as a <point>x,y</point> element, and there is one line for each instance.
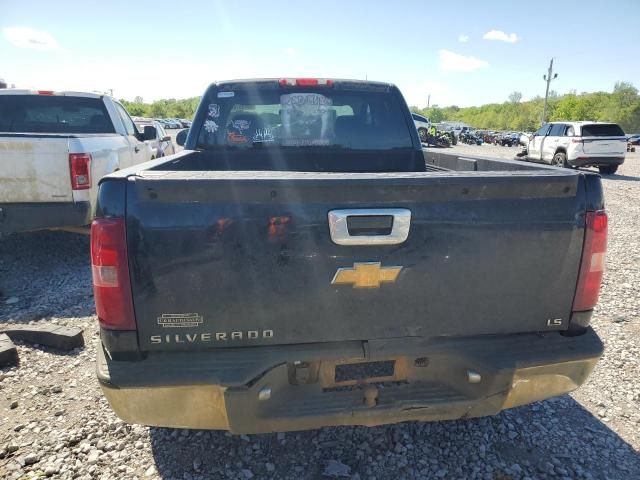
<point>463,38</point>
<point>501,36</point>
<point>291,52</point>
<point>454,62</point>
<point>25,37</point>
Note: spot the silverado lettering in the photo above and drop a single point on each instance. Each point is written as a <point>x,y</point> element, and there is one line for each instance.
<point>209,337</point>
<point>466,284</point>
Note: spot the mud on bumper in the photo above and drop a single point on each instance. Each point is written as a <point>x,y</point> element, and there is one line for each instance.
<point>298,388</point>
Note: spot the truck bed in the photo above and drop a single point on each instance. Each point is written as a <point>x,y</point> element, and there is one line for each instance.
<point>494,248</point>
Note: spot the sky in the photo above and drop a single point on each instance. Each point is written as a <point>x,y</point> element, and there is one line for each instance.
<point>460,54</point>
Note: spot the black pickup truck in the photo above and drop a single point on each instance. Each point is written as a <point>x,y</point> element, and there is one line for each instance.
<point>306,262</point>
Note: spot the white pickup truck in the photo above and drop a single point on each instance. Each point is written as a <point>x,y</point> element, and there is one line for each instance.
<point>54,148</point>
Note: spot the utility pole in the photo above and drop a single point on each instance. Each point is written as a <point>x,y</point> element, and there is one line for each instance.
<point>428,101</point>
<point>547,78</point>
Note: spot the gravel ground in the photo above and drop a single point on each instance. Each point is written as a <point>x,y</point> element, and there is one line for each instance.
<point>55,422</point>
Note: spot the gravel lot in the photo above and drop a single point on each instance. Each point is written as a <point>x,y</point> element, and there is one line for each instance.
<point>55,422</point>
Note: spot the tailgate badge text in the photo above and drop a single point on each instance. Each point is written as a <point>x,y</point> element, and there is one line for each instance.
<point>366,275</point>
<point>180,320</point>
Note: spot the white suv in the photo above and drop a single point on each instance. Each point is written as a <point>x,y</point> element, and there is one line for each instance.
<point>579,144</point>
<point>422,125</point>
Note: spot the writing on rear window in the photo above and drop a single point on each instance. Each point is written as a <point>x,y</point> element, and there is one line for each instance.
<point>306,119</point>
<point>355,120</point>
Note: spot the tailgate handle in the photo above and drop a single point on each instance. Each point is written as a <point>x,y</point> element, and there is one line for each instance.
<point>369,226</point>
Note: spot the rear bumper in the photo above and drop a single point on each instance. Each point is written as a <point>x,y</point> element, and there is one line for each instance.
<point>589,161</point>
<point>513,370</point>
<point>23,217</point>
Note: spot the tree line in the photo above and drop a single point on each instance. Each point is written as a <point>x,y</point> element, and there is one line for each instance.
<point>166,108</point>
<point>621,106</point>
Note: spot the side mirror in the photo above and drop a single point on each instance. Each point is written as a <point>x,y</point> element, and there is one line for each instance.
<point>166,138</point>
<point>181,138</point>
<point>150,133</point>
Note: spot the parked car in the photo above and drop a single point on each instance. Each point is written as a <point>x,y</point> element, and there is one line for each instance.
<point>579,144</point>
<point>456,127</point>
<point>633,140</point>
<point>184,122</point>
<point>507,139</point>
<point>173,123</point>
<point>422,125</point>
<point>491,137</point>
<point>162,145</point>
<point>357,279</point>
<point>448,131</point>
<point>55,147</point>
<point>471,138</point>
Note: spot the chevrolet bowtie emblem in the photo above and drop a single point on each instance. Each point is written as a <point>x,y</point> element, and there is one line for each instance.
<point>366,275</point>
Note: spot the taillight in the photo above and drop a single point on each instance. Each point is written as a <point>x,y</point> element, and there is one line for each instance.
<point>110,269</point>
<point>592,266</point>
<point>306,82</point>
<point>45,92</point>
<point>80,169</point>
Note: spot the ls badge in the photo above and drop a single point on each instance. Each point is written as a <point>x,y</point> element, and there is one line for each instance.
<point>366,275</point>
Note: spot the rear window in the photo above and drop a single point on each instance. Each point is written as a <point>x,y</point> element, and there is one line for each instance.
<point>317,118</point>
<point>53,114</point>
<point>602,130</point>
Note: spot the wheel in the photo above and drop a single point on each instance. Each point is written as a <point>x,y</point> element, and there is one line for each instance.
<point>422,133</point>
<point>608,169</point>
<point>560,160</point>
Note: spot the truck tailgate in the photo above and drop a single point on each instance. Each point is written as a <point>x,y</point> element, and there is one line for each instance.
<point>221,259</point>
<point>34,169</point>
